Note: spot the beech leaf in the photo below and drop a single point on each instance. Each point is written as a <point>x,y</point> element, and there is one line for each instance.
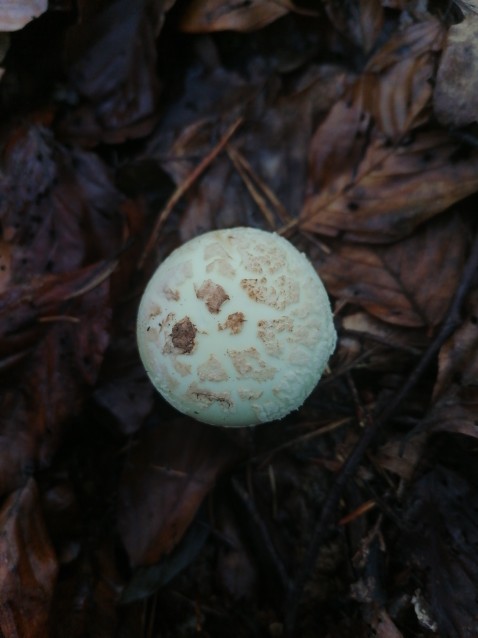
<point>409,283</point>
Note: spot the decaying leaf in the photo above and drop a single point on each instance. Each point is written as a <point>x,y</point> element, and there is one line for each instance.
<point>396,84</point>
<point>442,510</point>
<point>119,96</point>
<point>28,567</point>
<point>220,15</point>
<point>167,475</point>
<point>386,193</point>
<point>389,281</point>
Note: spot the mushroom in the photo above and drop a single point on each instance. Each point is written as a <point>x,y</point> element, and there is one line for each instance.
<point>235,327</point>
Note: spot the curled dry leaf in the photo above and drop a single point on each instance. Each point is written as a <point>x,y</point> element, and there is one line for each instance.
<point>396,84</point>
<point>409,283</point>
<point>204,16</point>
<point>455,98</point>
<point>15,14</point>
<point>28,567</point>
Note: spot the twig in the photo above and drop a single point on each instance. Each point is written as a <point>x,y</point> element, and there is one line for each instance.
<point>185,186</point>
<point>269,553</point>
<point>253,191</point>
<point>452,321</point>
<point>261,185</point>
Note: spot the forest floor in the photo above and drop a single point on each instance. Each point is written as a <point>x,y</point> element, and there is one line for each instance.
<point>128,128</point>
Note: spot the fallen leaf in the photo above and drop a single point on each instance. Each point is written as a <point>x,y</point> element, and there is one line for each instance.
<point>441,514</point>
<point>60,208</point>
<point>395,87</point>
<point>51,362</point>
<point>119,95</point>
<point>204,16</point>
<point>167,475</point>
<point>385,194</point>
<point>409,283</point>
<point>28,567</point>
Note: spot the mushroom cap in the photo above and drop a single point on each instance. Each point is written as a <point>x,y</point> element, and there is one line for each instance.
<point>235,327</point>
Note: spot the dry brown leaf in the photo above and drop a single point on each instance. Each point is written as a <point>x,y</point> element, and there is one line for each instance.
<point>384,195</point>
<point>15,14</point>
<point>409,283</point>
<point>28,567</point>
<point>396,85</point>
<point>455,97</point>
<point>166,477</point>
<point>204,16</point>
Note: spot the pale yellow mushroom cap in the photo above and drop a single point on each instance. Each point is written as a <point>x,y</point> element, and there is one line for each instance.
<point>235,327</point>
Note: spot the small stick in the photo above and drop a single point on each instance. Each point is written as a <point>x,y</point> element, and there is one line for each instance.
<point>452,321</point>
<point>185,186</point>
<point>269,552</point>
<point>253,191</point>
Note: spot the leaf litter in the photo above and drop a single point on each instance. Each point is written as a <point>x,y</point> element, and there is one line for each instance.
<point>350,129</point>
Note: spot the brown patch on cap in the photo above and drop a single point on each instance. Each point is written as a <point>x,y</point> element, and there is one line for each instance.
<point>250,365</point>
<point>212,370</point>
<point>207,398</point>
<point>213,295</point>
<point>171,295</point>
<point>268,331</point>
<point>278,293</point>
<point>183,336</point>
<point>233,323</point>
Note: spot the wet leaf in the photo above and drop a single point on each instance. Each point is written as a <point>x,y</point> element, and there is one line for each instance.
<point>167,475</point>
<point>60,208</point>
<point>28,567</point>
<point>57,358</point>
<point>388,192</point>
<point>204,16</point>
<point>119,95</point>
<point>389,281</point>
<point>396,84</point>
<point>147,580</point>
<point>443,511</point>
